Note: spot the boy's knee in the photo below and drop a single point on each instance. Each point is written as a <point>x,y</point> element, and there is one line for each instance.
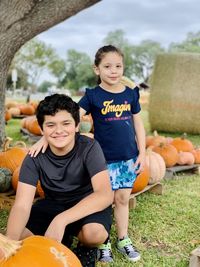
<point>94,234</point>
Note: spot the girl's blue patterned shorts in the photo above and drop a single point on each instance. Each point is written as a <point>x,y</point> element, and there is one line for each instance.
<point>122,174</point>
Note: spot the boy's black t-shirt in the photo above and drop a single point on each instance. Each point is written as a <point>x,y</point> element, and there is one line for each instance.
<point>66,178</point>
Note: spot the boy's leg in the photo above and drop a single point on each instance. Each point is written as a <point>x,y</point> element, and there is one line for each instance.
<point>42,213</point>
<point>94,230</point>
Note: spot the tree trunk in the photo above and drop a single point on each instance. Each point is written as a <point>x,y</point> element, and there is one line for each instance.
<point>22,20</point>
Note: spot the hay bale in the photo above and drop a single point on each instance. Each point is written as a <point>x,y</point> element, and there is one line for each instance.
<point>174,104</point>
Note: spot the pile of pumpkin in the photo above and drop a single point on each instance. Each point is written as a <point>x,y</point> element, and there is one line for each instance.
<point>11,158</point>
<point>14,108</point>
<point>30,123</point>
<point>165,152</point>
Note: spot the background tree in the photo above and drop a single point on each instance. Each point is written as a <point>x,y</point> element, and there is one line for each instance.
<point>57,68</point>
<point>144,56</point>
<point>138,59</point>
<point>20,21</point>
<point>190,44</point>
<point>78,71</point>
<point>34,57</point>
<point>44,86</point>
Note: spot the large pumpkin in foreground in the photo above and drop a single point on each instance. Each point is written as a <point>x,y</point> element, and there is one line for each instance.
<point>36,251</point>
<point>141,181</point>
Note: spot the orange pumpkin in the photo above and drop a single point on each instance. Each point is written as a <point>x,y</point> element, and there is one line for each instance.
<point>27,109</point>
<point>185,158</point>
<point>36,251</point>
<point>15,179</point>
<point>8,115</point>
<point>168,152</point>
<point>33,127</point>
<point>156,164</point>
<point>39,190</point>
<point>182,144</point>
<point>155,139</point>
<point>11,157</point>
<point>15,111</point>
<point>141,181</point>
<point>196,153</point>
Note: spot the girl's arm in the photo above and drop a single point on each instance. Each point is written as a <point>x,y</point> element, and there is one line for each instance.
<point>41,145</point>
<point>82,112</point>
<point>141,141</point>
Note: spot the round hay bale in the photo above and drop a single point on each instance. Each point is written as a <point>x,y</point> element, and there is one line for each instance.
<point>175,93</point>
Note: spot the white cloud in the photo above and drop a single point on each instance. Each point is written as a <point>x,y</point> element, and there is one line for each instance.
<point>165,21</point>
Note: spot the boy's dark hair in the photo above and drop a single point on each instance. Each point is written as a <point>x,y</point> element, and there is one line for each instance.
<point>50,105</point>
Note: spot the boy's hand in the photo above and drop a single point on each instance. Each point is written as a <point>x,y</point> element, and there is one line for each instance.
<point>56,229</point>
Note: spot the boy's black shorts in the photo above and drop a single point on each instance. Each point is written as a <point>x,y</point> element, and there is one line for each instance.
<point>44,210</point>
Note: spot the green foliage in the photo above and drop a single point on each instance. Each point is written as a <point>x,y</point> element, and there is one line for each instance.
<point>44,86</point>
<point>33,58</point>
<point>79,71</point>
<point>144,56</point>
<point>190,44</point>
<point>58,68</point>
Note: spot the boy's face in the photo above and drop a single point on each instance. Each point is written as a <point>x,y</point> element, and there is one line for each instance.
<point>59,131</point>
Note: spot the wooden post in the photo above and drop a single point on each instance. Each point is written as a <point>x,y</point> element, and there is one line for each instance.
<point>195,258</point>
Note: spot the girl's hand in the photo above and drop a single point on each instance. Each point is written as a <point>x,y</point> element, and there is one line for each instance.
<point>140,163</point>
<point>41,145</point>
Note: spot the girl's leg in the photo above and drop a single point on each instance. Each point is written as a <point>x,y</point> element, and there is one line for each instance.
<point>121,211</point>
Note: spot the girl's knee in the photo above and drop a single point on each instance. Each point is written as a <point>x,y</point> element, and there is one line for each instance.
<point>121,200</point>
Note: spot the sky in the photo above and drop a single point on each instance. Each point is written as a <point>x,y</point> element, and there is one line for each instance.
<point>165,21</point>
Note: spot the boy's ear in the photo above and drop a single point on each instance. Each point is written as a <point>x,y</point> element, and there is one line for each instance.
<point>78,128</point>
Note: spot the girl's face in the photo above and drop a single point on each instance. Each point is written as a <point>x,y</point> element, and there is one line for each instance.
<point>110,69</point>
<point>59,131</point>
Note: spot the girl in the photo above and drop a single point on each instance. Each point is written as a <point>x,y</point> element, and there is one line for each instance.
<point>118,128</point>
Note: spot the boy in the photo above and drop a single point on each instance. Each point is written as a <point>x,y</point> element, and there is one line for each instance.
<point>74,177</point>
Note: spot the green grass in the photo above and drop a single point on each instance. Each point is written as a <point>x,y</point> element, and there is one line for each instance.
<point>165,228</point>
<point>13,129</point>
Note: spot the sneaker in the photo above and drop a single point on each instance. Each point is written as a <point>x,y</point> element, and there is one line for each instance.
<point>127,249</point>
<point>104,253</point>
<point>86,255</point>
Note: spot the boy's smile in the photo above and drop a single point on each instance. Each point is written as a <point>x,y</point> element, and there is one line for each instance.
<point>60,130</point>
